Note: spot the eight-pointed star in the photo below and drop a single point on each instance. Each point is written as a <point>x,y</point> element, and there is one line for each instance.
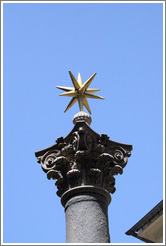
<point>80,92</point>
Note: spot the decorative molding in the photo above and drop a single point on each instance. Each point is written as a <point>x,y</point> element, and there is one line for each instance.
<point>84,158</point>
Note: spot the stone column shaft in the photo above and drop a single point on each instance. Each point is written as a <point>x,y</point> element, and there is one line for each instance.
<point>86,215</point>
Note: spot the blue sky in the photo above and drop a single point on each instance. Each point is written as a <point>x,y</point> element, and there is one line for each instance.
<point>122,42</point>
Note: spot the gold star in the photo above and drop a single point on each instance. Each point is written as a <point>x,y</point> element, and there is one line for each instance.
<point>80,92</point>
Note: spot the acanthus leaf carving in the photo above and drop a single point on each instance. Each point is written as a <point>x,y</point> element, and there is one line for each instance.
<point>84,158</point>
<point>104,161</point>
<point>53,174</point>
<point>61,163</point>
<point>115,170</point>
<point>94,177</point>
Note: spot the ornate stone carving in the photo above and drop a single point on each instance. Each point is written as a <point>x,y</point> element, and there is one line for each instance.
<point>84,158</point>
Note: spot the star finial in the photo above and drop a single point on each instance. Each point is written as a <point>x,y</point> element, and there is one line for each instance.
<point>80,92</point>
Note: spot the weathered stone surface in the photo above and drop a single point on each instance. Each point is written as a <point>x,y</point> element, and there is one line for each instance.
<point>87,219</point>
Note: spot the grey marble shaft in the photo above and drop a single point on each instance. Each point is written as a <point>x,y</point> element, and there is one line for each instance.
<point>87,219</point>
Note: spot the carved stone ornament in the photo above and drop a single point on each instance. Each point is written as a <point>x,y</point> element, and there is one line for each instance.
<point>84,158</point>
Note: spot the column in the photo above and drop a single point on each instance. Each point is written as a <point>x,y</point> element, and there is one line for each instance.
<point>84,164</point>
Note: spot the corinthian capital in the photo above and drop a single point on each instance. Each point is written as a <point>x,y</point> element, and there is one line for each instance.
<point>84,158</point>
